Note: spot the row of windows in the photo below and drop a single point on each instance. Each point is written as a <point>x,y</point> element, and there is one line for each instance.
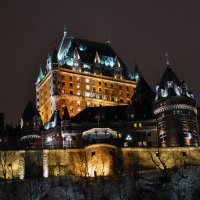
<point>93,82</point>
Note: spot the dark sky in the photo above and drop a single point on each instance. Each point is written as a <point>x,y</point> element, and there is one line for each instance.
<point>145,29</point>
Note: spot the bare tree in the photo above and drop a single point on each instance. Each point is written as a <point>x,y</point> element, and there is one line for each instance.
<point>156,156</point>
<point>7,159</point>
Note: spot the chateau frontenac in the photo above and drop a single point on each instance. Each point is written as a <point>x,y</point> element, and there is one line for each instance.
<point>87,99</point>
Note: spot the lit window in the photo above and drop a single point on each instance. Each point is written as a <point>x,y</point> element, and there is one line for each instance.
<point>49,139</point>
<point>78,93</point>
<point>140,125</point>
<point>78,103</point>
<point>86,66</point>
<point>71,102</point>
<point>87,87</point>
<point>87,80</point>
<point>135,125</point>
<point>78,85</point>
<point>87,94</point>
<point>88,104</point>
<point>78,79</point>
<point>79,109</point>
<point>71,109</point>
<point>76,64</point>
<point>63,91</point>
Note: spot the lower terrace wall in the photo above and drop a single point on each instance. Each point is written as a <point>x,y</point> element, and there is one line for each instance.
<point>94,160</point>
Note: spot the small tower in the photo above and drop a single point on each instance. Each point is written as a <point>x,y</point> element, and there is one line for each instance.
<point>52,137</point>
<point>31,127</point>
<point>117,69</point>
<point>175,110</point>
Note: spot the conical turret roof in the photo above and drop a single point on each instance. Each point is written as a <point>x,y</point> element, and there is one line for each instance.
<point>169,75</point>
<point>30,111</point>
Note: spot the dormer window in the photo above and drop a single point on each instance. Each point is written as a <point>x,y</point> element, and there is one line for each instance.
<point>169,84</point>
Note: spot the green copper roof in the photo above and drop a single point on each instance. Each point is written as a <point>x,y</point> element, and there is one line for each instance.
<point>40,76</point>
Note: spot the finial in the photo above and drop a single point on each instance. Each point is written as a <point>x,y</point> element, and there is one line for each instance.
<point>65,30</point>
<point>167,59</point>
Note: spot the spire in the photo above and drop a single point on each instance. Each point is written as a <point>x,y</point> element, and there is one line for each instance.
<point>97,58</point>
<point>167,59</point>
<point>65,31</point>
<point>40,75</point>
<point>117,63</point>
<point>76,54</point>
<point>137,74</point>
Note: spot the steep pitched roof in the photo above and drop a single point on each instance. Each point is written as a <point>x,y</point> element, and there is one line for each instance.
<point>142,100</point>
<point>40,75</point>
<point>55,118</point>
<point>169,75</point>
<point>87,50</point>
<point>30,111</point>
<point>66,115</point>
<point>101,114</point>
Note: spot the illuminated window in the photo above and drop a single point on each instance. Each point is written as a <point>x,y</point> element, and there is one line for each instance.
<point>144,143</point>
<point>63,91</point>
<point>71,102</point>
<point>78,103</point>
<point>135,125</point>
<point>88,104</point>
<point>79,109</point>
<point>87,94</point>
<point>87,80</point>
<point>78,93</point>
<point>86,66</point>
<point>78,85</point>
<point>132,116</point>
<point>139,144</point>
<point>78,79</point>
<point>140,125</point>
<point>87,87</point>
<point>71,109</point>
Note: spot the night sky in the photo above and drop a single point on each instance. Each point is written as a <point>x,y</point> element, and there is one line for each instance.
<point>145,29</point>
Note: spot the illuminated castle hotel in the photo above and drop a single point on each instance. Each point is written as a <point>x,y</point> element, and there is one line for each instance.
<point>86,96</point>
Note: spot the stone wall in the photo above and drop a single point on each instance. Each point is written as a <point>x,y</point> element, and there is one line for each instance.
<point>94,160</point>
